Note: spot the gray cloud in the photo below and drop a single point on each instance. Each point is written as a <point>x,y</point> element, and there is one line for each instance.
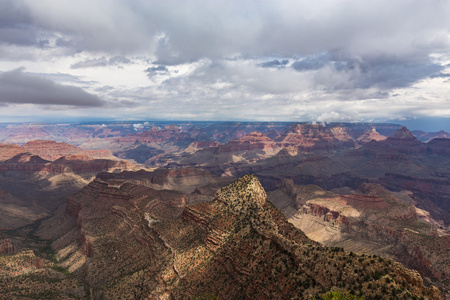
<point>382,73</point>
<point>312,62</point>
<point>183,31</point>
<point>282,59</point>
<point>440,75</point>
<point>101,62</point>
<point>15,25</point>
<point>388,76</point>
<point>274,63</point>
<point>19,87</point>
<point>158,70</point>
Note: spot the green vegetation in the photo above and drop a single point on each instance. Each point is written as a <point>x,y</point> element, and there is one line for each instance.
<point>339,295</point>
<point>60,269</point>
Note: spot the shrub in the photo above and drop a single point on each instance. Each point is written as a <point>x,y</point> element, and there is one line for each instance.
<point>339,295</point>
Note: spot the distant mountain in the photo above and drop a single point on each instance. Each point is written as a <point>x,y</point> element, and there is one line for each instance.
<point>132,210</point>
<point>428,136</point>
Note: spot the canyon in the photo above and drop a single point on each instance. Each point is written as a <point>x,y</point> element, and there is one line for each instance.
<point>162,210</point>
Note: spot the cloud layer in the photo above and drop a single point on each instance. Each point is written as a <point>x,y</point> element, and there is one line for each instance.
<point>263,60</point>
<point>19,87</point>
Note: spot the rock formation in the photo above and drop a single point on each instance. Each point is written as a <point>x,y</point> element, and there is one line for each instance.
<point>370,220</point>
<point>426,137</point>
<point>131,239</point>
<point>371,135</point>
<point>316,137</point>
<point>9,151</point>
<point>6,247</point>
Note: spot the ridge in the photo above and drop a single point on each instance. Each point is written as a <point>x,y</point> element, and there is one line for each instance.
<point>243,193</point>
<point>402,134</point>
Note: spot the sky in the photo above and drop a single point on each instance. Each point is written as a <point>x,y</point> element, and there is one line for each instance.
<point>322,61</point>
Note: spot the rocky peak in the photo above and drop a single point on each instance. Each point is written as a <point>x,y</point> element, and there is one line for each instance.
<point>371,135</point>
<point>245,192</point>
<point>402,134</point>
<point>405,142</point>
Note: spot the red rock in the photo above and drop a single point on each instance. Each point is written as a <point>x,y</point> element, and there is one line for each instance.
<point>50,150</point>
<point>316,137</point>
<point>6,247</point>
<point>9,151</point>
<point>371,135</point>
<point>39,263</point>
<point>426,137</point>
<point>248,142</point>
<point>439,146</point>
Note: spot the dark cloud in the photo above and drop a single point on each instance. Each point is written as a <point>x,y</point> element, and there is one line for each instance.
<point>101,62</point>
<point>186,31</point>
<point>274,63</point>
<point>440,75</point>
<point>158,70</point>
<point>17,26</point>
<point>388,76</point>
<point>19,87</point>
<point>285,57</point>
<point>313,62</point>
<point>381,73</point>
<point>117,60</point>
<point>23,36</point>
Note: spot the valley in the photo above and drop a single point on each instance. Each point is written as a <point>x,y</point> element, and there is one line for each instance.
<point>168,210</point>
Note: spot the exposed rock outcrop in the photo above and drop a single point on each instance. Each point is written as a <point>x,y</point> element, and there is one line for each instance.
<point>316,137</point>
<point>371,135</point>
<point>133,239</point>
<point>370,220</point>
<point>9,151</point>
<point>6,247</point>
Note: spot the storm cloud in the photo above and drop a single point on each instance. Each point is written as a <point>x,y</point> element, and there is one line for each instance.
<point>19,87</point>
<point>283,60</point>
<point>366,74</point>
<point>186,31</point>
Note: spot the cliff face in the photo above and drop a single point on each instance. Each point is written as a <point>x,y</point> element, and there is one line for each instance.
<point>77,163</point>
<point>132,239</point>
<point>252,141</point>
<point>316,137</point>
<point>169,134</point>
<point>50,150</point>
<point>9,151</point>
<point>371,135</point>
<point>433,193</point>
<point>439,146</point>
<point>38,186</point>
<point>371,220</point>
<point>6,247</point>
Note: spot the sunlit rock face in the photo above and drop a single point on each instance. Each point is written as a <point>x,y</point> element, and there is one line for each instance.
<point>122,237</point>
